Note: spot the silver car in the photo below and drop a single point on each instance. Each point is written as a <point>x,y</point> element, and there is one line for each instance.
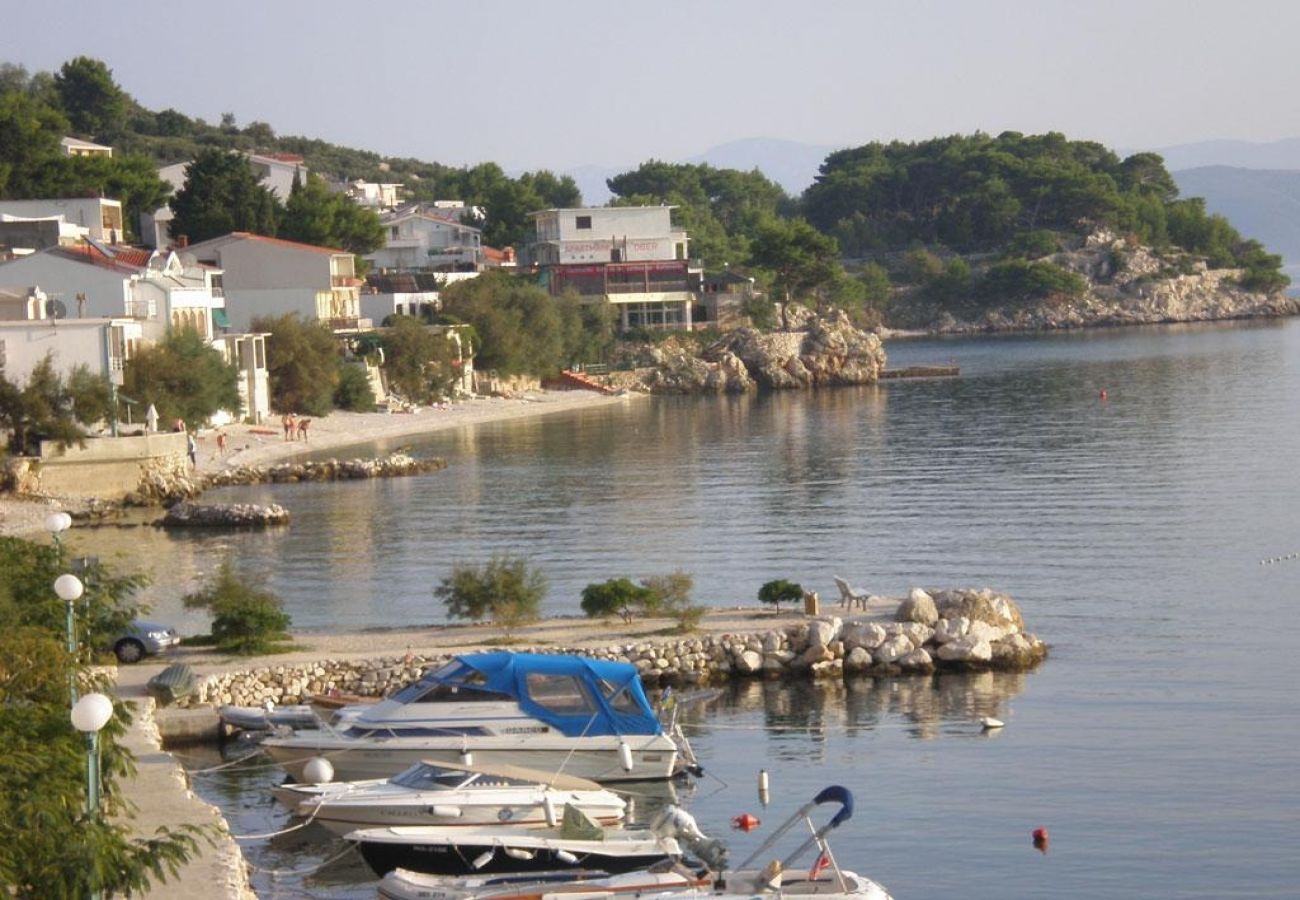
<point>141,639</point>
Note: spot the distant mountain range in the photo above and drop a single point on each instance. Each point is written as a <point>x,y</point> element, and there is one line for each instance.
<point>1255,185</point>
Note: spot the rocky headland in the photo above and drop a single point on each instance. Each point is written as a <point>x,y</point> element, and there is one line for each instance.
<point>819,350</point>
<point>1125,284</point>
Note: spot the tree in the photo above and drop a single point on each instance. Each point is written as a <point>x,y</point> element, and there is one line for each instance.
<point>29,141</point>
<point>48,847</point>
<point>799,257</point>
<point>518,324</point>
<point>618,595</point>
<point>184,377</point>
<point>221,194</point>
<point>774,593</point>
<point>95,105</point>
<point>418,360</point>
<point>505,589</point>
<point>302,364</point>
<point>314,215</point>
<point>246,617</point>
<point>49,408</point>
<point>670,595</point>
<point>353,391</point>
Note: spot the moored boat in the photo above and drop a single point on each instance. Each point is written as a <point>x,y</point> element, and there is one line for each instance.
<point>577,842</point>
<point>554,713</point>
<point>672,879</point>
<point>450,794</point>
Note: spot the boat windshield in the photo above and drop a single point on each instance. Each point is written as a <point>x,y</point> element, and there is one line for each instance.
<point>423,777</point>
<point>619,699</point>
<point>561,694</point>
<point>453,683</point>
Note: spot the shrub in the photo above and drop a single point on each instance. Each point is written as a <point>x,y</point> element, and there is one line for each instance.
<point>618,595</point>
<point>353,391</point>
<point>774,593</point>
<point>670,595</point>
<point>246,618</point>
<point>504,589</point>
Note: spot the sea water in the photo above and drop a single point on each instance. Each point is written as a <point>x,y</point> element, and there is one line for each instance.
<point>1129,488</point>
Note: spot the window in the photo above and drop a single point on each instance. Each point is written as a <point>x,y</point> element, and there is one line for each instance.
<point>393,232</point>
<point>616,254</point>
<point>560,694</point>
<point>583,222</point>
<point>619,699</point>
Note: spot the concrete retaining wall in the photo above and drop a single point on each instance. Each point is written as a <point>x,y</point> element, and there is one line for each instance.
<point>109,468</point>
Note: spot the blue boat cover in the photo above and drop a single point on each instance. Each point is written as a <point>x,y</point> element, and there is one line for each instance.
<point>617,703</point>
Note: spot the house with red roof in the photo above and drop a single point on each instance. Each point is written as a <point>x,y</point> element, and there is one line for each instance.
<point>265,277</point>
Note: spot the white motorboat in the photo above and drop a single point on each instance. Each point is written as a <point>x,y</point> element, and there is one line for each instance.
<point>554,713</point>
<point>673,879</point>
<point>577,842</point>
<point>449,794</point>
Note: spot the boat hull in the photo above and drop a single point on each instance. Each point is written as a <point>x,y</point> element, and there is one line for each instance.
<point>654,757</point>
<point>458,859</point>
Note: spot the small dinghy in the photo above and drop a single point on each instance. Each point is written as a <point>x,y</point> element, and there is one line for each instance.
<point>430,793</point>
<point>262,718</point>
<point>171,684</point>
<point>577,843</point>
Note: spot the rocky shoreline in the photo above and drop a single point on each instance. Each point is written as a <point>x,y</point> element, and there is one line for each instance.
<point>946,630</point>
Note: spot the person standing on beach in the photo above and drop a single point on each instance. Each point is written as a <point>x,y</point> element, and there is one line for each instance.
<point>302,428</point>
<point>193,448</point>
<point>289,426</point>
<point>221,443</point>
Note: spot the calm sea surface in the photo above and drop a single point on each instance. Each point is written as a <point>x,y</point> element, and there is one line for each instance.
<point>1160,743</point>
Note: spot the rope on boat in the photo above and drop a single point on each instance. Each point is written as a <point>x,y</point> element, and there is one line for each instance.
<point>303,824</point>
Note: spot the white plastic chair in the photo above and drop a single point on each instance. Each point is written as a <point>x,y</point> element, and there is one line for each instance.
<point>850,597</point>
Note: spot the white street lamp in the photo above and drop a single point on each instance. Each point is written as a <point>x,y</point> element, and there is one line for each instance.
<point>89,715</point>
<point>69,588</point>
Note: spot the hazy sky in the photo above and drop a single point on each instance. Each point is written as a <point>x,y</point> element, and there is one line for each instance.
<point>563,84</point>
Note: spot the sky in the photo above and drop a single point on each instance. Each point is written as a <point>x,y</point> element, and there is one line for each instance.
<point>574,83</point>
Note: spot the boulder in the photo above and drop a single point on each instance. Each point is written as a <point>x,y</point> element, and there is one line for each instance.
<point>822,631</point>
<point>857,660</point>
<point>918,607</point>
<point>966,650</point>
<point>893,649</point>
<point>918,660</point>
<point>869,635</point>
<point>946,630</point>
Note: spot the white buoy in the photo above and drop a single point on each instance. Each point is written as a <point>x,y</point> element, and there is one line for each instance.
<point>518,853</point>
<point>565,856</point>
<point>446,811</point>
<point>548,809</point>
<point>625,756</point>
<point>483,858</point>
<point>318,771</point>
<point>466,758</point>
<point>763,794</point>
<point>990,723</point>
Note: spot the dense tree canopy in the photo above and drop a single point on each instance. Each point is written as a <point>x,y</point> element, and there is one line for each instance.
<point>221,194</point>
<point>48,407</point>
<point>184,377</point>
<point>315,215</point>
<point>302,364</point>
<point>93,102</point>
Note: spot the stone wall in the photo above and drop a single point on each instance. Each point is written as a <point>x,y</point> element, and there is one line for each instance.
<point>109,468</point>
<point>962,630</point>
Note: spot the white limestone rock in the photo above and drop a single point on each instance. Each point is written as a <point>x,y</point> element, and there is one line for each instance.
<point>918,607</point>
<point>893,649</point>
<point>857,660</point>
<point>918,660</point>
<point>966,650</point>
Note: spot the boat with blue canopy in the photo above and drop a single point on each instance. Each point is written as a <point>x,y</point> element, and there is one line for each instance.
<point>555,713</point>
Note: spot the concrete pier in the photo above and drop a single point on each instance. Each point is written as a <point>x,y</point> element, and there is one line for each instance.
<point>162,796</point>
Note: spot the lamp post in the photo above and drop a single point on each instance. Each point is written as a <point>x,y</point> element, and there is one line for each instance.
<point>69,588</point>
<point>56,523</point>
<point>90,714</point>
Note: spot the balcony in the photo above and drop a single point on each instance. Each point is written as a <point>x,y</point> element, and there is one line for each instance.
<point>140,309</point>
<point>345,281</point>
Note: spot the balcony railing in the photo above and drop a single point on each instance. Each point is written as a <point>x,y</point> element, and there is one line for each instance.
<point>140,309</point>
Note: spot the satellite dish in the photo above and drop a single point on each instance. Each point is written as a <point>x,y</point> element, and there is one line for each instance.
<point>56,309</point>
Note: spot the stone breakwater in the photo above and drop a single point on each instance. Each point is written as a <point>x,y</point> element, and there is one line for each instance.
<point>164,485</point>
<point>951,630</point>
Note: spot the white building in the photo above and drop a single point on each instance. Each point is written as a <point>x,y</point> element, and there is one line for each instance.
<point>144,295</point>
<point>265,276</point>
<point>415,239</point>
<point>630,256</point>
<point>370,194</point>
<point>77,147</point>
<point>606,234</point>
<point>97,217</point>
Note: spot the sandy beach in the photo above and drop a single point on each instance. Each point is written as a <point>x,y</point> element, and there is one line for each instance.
<point>265,445</point>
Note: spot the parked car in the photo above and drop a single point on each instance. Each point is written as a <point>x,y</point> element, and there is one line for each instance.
<point>141,639</point>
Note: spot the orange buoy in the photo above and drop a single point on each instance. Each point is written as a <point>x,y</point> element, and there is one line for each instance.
<point>745,822</point>
<point>1040,840</point>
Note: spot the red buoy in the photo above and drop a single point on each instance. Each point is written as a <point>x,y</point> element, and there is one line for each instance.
<point>1103,394</point>
<point>1040,840</point>
<point>745,822</point>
